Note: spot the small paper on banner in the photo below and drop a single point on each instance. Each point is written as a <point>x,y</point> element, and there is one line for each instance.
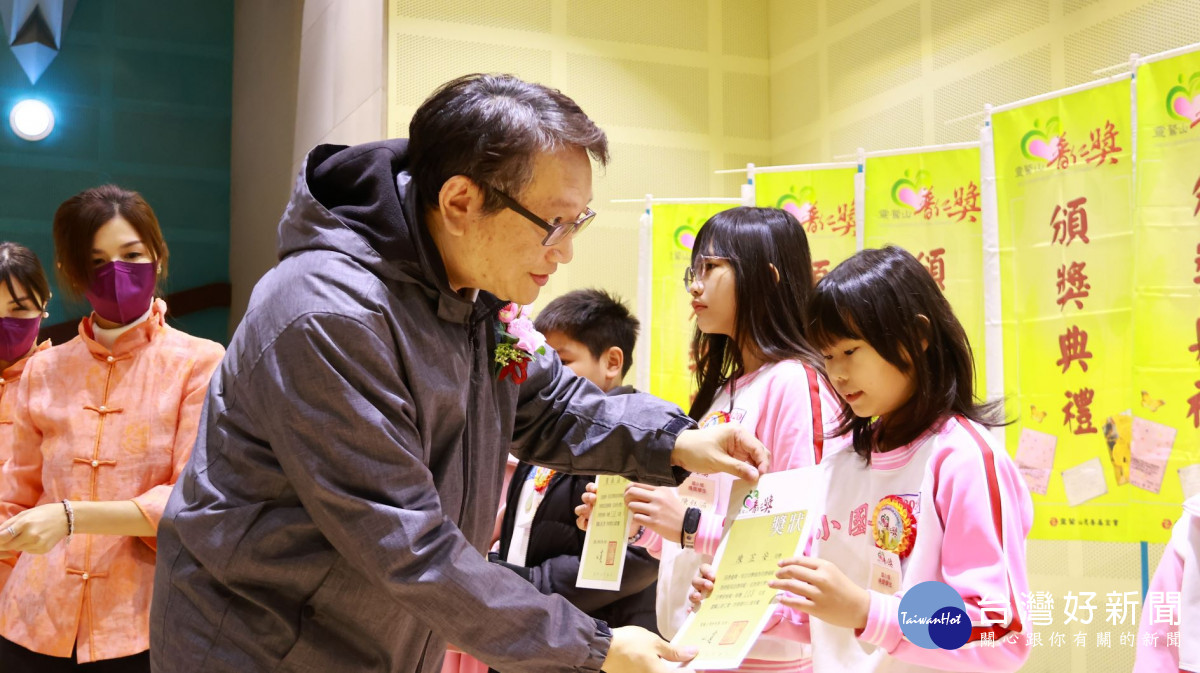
<point>1189,480</point>
<point>603,557</point>
<point>1035,458</point>
<point>1084,482</point>
<point>1150,449</point>
<point>773,523</point>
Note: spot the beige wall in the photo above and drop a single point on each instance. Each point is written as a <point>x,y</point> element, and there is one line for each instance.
<point>305,73</point>
<point>266,53</point>
<point>883,74</point>
<point>680,87</point>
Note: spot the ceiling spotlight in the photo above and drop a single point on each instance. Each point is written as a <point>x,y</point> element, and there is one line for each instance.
<point>31,119</point>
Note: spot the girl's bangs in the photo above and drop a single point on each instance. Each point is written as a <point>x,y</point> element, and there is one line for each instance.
<point>830,320</point>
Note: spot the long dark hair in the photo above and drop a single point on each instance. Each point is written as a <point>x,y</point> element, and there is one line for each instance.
<point>888,299</point>
<point>770,315</point>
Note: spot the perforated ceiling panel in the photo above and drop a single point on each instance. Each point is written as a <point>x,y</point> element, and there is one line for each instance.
<point>1015,79</point>
<point>518,14</point>
<point>1076,5</point>
<point>876,58</point>
<point>640,93</point>
<point>965,27</point>
<point>792,23</point>
<point>637,170</point>
<point>744,118</point>
<point>840,10</point>
<point>664,23</point>
<point>897,126</point>
<point>795,96</point>
<point>744,28</point>
<point>431,61</point>
<point>681,88</point>
<point>1148,28</point>
<point>950,56</point>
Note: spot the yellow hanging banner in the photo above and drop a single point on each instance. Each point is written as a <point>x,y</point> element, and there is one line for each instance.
<point>675,227</point>
<point>1064,186</point>
<point>1164,451</point>
<point>823,202</point>
<point>929,204</point>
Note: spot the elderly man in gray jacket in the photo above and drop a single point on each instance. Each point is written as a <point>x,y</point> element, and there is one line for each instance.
<point>349,462</point>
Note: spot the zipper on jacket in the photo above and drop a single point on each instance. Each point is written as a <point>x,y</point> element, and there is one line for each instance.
<point>466,454</point>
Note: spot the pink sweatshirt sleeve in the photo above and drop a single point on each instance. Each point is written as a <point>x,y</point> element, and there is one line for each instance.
<point>785,426</point>
<point>1155,652</point>
<point>984,569</point>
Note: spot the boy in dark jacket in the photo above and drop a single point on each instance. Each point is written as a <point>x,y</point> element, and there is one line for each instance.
<point>594,335</point>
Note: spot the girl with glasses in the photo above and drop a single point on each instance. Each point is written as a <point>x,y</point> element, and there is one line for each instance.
<point>750,281</point>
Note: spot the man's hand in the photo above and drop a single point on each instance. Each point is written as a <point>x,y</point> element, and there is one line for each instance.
<point>656,508</point>
<point>728,447</point>
<point>636,650</point>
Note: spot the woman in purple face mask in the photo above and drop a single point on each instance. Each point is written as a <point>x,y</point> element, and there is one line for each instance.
<point>23,296</point>
<point>102,425</point>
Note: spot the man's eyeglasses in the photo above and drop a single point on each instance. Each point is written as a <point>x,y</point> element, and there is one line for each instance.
<point>699,270</point>
<point>556,230</point>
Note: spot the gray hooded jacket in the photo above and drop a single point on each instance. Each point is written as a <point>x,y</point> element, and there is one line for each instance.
<point>348,465</point>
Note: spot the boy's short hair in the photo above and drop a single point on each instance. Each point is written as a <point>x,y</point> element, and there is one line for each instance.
<point>595,319</point>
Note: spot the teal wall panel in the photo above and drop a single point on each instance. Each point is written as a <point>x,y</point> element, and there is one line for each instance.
<point>141,92</point>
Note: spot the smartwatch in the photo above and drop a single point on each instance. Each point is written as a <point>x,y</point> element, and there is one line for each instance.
<point>691,523</point>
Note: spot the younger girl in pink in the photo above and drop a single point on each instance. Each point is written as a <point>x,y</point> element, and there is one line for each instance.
<point>925,487</point>
<point>1169,637</point>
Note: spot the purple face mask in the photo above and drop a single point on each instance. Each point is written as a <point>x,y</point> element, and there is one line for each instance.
<point>121,291</point>
<point>17,336</point>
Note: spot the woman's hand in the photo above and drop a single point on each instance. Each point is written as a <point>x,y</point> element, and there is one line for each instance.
<point>821,589</point>
<point>34,531</point>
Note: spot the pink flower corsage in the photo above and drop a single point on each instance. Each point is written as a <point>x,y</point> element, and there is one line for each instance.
<point>517,342</point>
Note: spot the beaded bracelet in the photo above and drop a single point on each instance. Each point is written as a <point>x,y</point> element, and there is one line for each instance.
<point>638,535</point>
<point>70,517</point>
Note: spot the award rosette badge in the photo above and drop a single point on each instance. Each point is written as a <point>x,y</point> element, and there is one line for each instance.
<point>773,523</point>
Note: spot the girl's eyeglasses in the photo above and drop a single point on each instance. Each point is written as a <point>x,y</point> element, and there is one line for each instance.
<point>699,270</point>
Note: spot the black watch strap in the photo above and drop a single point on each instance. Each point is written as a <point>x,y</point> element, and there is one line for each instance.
<point>691,524</point>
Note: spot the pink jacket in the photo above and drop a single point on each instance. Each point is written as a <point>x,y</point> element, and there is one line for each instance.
<point>972,514</point>
<point>1169,636</point>
<point>91,424</point>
